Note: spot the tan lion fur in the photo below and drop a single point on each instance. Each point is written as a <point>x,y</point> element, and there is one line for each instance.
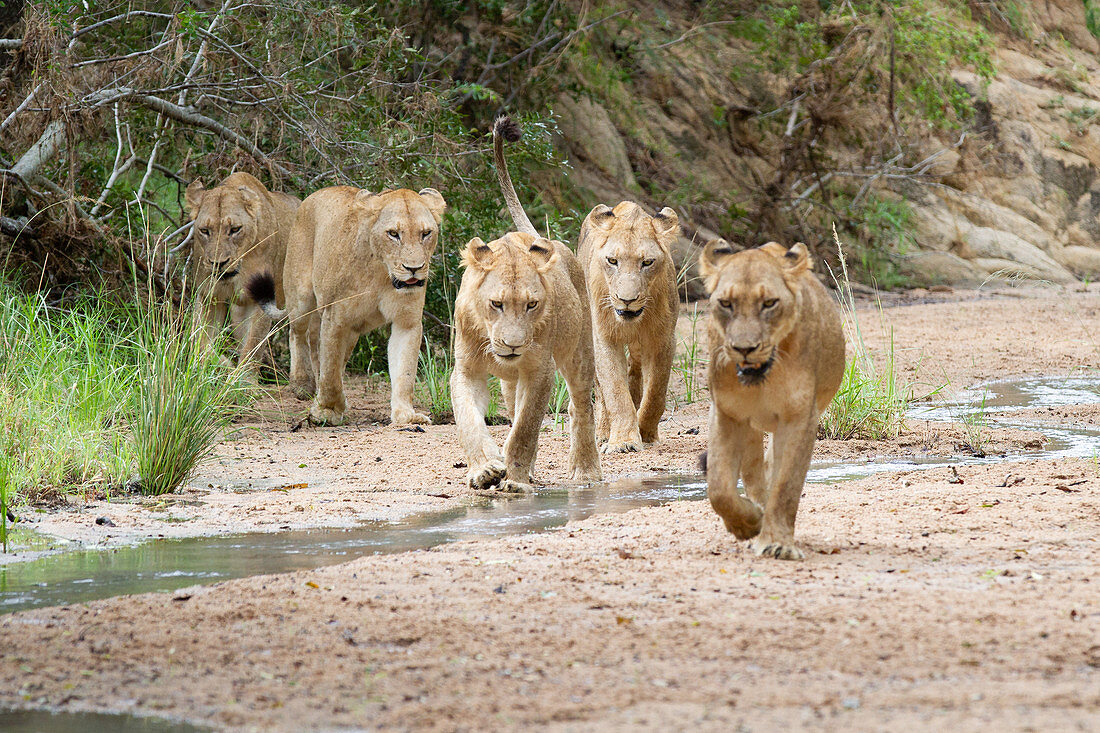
<point>521,295</point>
<point>631,281</point>
<point>521,312</point>
<point>776,360</point>
<point>221,262</point>
<point>349,255</point>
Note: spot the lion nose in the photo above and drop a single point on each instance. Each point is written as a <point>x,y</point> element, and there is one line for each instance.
<point>746,350</point>
<point>412,268</point>
<point>221,265</point>
<point>627,301</point>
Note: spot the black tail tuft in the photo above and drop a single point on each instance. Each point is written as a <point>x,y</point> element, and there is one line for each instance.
<point>703,461</point>
<point>507,128</point>
<point>261,288</point>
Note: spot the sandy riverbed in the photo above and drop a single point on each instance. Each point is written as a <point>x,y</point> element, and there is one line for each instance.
<point>923,602</point>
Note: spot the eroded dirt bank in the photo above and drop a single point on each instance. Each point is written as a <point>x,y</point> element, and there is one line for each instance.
<point>963,598</point>
<point>267,477</point>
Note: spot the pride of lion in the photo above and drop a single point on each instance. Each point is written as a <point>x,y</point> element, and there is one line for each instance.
<point>346,261</point>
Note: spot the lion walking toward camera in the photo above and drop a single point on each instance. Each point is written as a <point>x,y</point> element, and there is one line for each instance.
<point>239,230</point>
<point>355,261</point>
<point>521,312</point>
<point>631,281</point>
<point>776,360</point>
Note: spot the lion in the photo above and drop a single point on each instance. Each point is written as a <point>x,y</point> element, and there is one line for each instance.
<point>631,281</point>
<point>776,360</point>
<point>240,229</point>
<point>520,312</point>
<point>356,260</point>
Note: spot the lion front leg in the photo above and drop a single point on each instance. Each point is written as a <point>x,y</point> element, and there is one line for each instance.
<point>725,448</point>
<point>611,381</point>
<point>403,350</point>
<point>584,459</point>
<point>330,403</point>
<point>470,400</point>
<point>656,368</point>
<point>791,450</point>
<point>532,399</point>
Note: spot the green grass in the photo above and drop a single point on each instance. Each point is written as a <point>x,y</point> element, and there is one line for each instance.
<point>92,391</point>
<point>872,401</point>
<point>434,382</point>
<point>689,358</point>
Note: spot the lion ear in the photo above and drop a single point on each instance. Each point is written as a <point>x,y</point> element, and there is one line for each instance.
<point>251,199</point>
<point>666,222</point>
<point>711,257</point>
<point>369,202</point>
<point>477,255</point>
<point>434,201</point>
<point>193,196</point>
<point>797,259</point>
<point>602,217</point>
<point>544,252</point>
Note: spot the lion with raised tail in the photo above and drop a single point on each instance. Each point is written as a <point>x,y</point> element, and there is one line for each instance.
<point>776,360</point>
<point>355,261</point>
<point>631,281</point>
<point>521,312</point>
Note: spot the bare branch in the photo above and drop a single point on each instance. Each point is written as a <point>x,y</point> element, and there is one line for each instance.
<point>22,106</point>
<point>11,44</point>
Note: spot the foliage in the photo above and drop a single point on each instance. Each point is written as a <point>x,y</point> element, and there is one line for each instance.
<point>882,227</point>
<point>434,381</point>
<point>72,381</point>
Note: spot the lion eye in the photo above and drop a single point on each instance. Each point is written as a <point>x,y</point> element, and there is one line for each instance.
<point>394,233</point>
<point>647,263</point>
<point>496,304</point>
<point>725,303</point>
<point>532,305</point>
<point>426,233</point>
<point>612,261</point>
<point>770,303</point>
<point>204,232</point>
<point>234,230</point>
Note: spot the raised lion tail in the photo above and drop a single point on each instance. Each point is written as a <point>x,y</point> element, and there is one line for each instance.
<point>505,128</point>
<point>261,288</point>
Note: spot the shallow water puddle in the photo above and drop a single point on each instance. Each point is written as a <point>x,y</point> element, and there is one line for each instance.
<point>37,721</point>
<point>166,565</point>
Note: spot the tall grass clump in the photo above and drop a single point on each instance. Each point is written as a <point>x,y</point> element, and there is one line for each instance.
<point>184,398</point>
<point>434,384</point>
<point>93,390</point>
<point>871,402</point>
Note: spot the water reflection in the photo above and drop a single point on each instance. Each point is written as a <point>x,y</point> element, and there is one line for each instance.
<point>37,721</point>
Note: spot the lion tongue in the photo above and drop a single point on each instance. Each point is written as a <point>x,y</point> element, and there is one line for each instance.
<point>411,281</point>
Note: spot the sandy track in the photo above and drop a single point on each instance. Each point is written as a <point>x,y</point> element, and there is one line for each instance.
<point>923,603</point>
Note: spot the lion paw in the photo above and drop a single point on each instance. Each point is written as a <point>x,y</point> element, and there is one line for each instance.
<point>325,416</point>
<point>625,447</point>
<point>409,416</point>
<point>509,486</point>
<point>585,475</point>
<point>303,390</point>
<point>487,476</point>
<point>778,550</point>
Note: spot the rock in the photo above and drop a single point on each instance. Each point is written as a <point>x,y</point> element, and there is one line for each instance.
<point>939,268</point>
<point>1067,19</point>
<point>104,522</point>
<point>1082,261</point>
<point>590,135</point>
<point>1022,257</point>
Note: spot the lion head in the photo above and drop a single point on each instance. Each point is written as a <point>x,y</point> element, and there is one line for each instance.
<point>226,221</point>
<point>510,289</point>
<point>754,303</point>
<point>404,228</point>
<point>630,249</point>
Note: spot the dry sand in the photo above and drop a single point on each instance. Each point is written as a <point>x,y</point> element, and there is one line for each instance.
<point>935,598</point>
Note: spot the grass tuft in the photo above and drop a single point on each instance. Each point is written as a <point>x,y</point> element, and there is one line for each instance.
<point>871,402</point>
